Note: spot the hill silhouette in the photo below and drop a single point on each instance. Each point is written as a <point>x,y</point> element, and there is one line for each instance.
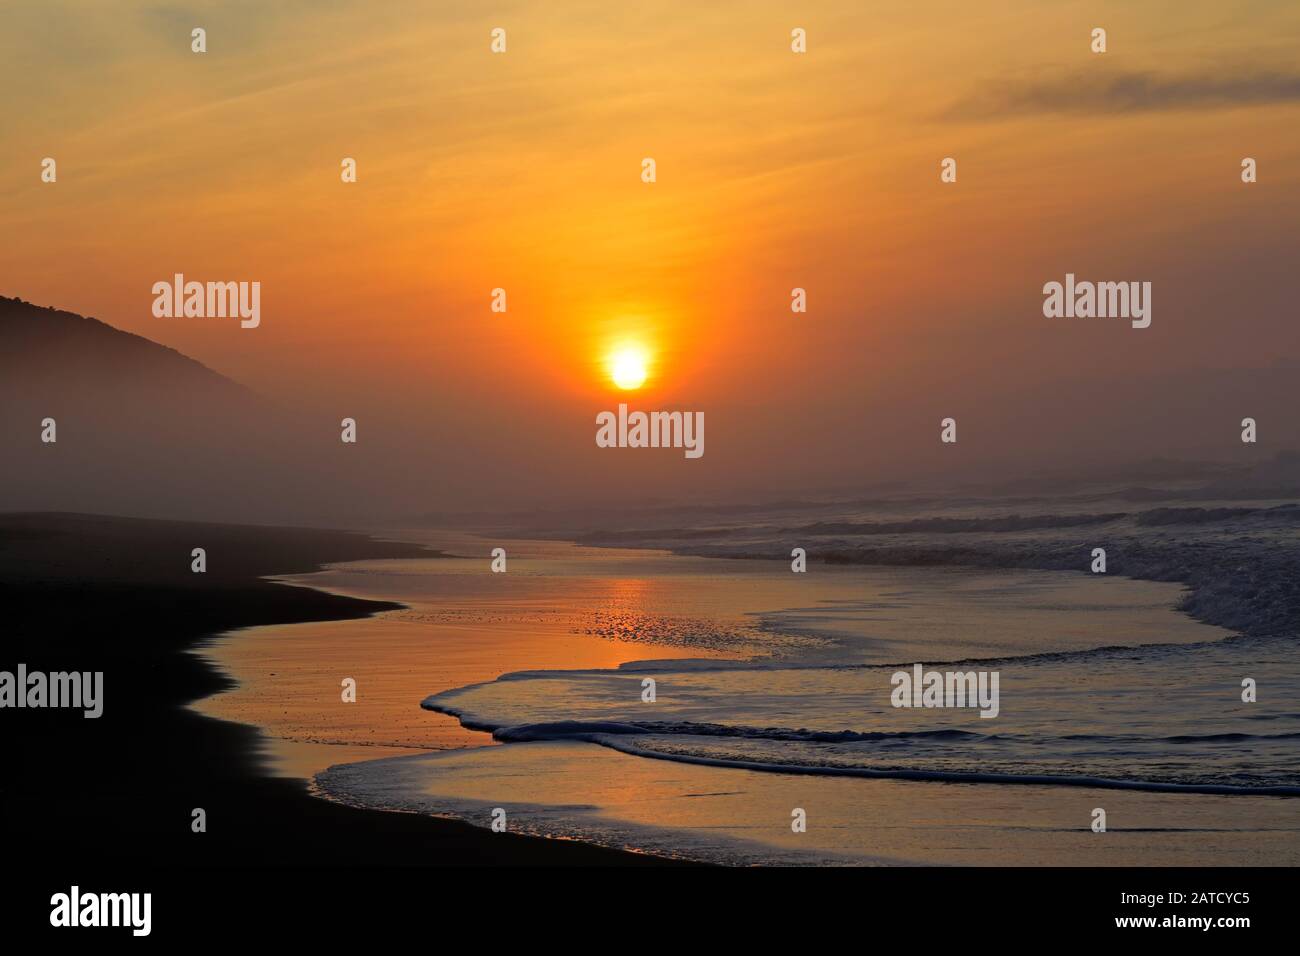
<point>48,349</point>
<point>140,428</point>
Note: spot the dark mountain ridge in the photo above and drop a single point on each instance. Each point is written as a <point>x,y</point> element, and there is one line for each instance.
<point>41,340</point>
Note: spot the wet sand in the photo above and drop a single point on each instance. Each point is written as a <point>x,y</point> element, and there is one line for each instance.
<point>566,607</point>
<point>743,817</point>
<point>117,595</point>
<point>460,625</point>
<point>463,625</point>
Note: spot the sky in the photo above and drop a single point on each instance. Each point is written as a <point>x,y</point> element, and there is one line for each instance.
<point>775,170</point>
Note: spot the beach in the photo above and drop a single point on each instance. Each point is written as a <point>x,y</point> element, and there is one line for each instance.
<point>117,595</point>
<point>525,692</point>
<point>773,695</point>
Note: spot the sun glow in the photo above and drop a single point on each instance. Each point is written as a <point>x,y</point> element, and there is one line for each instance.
<point>627,367</point>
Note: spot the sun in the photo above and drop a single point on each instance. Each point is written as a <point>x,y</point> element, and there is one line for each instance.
<point>627,367</point>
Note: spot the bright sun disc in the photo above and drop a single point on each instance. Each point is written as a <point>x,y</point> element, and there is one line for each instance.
<point>627,368</point>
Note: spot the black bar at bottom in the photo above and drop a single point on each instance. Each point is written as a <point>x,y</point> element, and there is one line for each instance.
<point>434,904</point>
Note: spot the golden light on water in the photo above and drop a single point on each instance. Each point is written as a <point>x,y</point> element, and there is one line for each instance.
<point>627,367</point>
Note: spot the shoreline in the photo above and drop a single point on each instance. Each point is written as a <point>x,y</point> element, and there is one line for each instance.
<point>77,576</point>
<point>117,595</point>
<point>1237,573</point>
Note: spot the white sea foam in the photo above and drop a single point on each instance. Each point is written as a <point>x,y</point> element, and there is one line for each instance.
<point>1103,686</point>
<point>1161,718</point>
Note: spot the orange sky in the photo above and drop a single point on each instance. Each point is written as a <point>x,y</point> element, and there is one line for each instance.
<point>775,170</point>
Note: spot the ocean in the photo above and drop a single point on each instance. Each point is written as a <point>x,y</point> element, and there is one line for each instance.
<point>770,735</point>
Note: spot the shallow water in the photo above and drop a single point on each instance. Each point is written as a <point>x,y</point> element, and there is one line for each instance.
<point>754,667</point>
<point>741,817</point>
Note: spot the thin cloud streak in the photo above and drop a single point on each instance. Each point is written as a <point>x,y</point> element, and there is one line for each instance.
<point>1098,93</point>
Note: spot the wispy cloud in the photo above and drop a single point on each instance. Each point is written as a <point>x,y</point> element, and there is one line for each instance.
<point>1096,92</point>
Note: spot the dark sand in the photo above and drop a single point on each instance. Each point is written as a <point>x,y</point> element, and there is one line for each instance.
<point>91,593</point>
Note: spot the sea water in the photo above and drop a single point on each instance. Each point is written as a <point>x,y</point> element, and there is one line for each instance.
<point>773,688</point>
